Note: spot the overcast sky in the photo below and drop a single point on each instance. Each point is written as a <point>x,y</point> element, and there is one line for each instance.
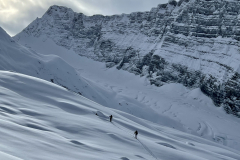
<point>15,15</point>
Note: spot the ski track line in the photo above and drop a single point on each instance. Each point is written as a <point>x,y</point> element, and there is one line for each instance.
<point>170,107</point>
<point>147,149</point>
<point>144,146</point>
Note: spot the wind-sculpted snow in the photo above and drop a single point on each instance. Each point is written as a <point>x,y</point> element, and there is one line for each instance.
<point>40,120</point>
<point>193,42</point>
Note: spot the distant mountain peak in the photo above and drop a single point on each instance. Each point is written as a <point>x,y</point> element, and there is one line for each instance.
<point>4,35</point>
<point>56,8</point>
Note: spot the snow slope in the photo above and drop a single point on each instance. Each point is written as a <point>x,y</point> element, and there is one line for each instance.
<point>171,105</point>
<point>17,58</point>
<point>43,121</point>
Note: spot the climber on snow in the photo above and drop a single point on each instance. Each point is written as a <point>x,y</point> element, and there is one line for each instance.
<point>136,133</point>
<point>111,118</point>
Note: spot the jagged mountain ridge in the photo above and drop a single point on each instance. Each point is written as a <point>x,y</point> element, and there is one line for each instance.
<point>194,42</point>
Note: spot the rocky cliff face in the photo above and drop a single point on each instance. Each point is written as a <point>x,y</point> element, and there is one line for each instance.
<point>193,42</point>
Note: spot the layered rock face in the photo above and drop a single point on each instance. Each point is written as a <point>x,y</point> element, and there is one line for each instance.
<point>194,42</point>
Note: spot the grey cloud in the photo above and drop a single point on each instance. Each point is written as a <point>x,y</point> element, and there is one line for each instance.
<point>16,15</point>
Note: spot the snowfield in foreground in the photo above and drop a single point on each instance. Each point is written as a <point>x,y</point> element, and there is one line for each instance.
<point>42,121</point>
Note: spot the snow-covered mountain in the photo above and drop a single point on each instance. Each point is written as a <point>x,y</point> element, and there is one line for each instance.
<point>192,42</point>
<point>181,47</point>
<point>42,121</point>
<point>171,105</point>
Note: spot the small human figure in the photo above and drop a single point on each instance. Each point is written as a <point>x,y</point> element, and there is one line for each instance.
<point>136,133</point>
<point>111,118</point>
